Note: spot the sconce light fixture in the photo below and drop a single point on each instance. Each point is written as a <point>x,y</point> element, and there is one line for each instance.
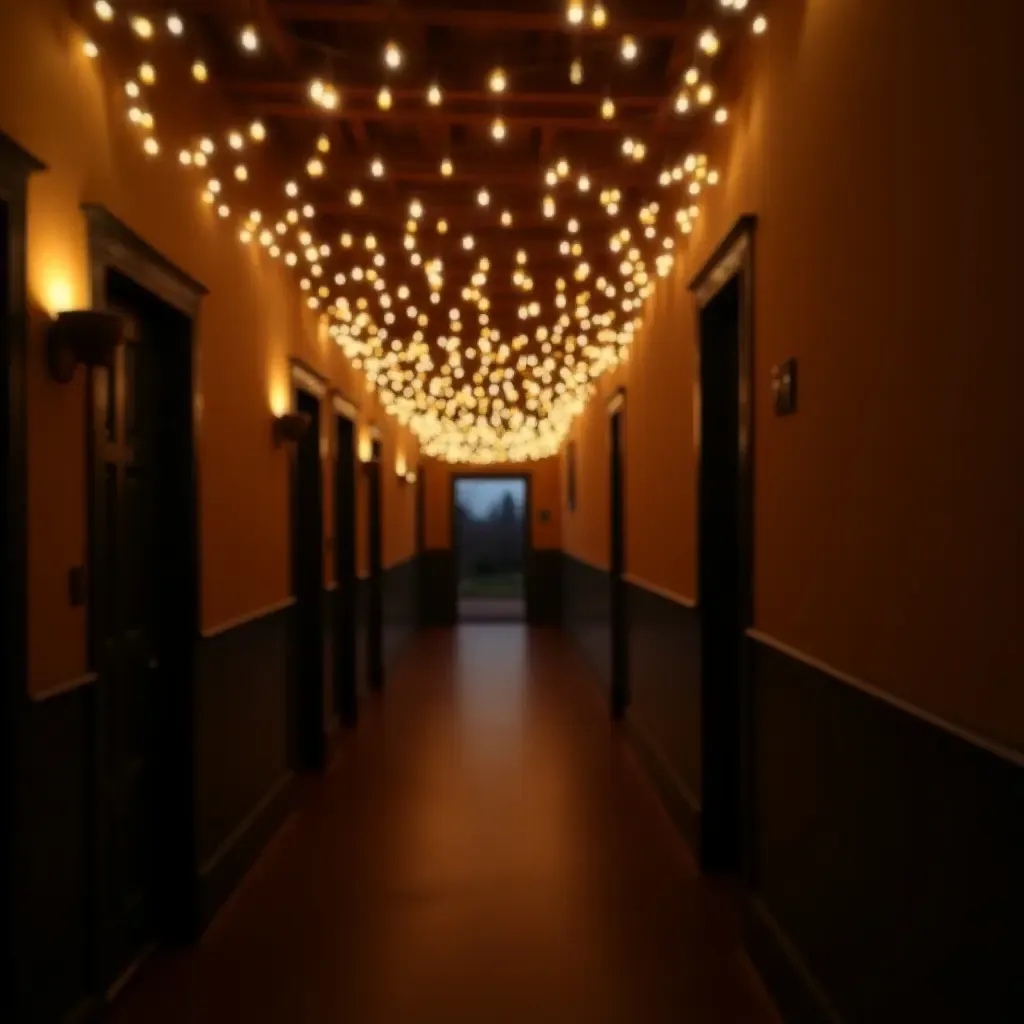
<point>291,426</point>
<point>369,447</point>
<point>86,336</point>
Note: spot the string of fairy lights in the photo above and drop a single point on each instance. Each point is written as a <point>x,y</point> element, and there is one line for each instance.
<point>481,367</point>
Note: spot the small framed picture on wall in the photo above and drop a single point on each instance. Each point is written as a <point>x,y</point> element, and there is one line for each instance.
<point>570,475</point>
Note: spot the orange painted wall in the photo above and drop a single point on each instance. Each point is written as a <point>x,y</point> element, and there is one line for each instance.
<point>545,483</point>
<point>878,146</point>
<point>57,105</point>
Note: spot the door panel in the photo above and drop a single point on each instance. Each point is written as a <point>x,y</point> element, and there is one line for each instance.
<point>127,690</point>
<point>345,573</point>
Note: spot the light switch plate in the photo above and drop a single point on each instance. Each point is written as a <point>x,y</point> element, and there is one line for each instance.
<point>76,586</point>
<point>784,388</point>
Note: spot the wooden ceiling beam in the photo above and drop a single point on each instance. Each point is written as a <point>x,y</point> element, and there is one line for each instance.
<point>299,111</point>
<point>481,20</point>
<point>282,89</point>
<point>517,175</point>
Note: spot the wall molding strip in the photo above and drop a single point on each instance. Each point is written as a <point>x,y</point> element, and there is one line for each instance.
<point>242,620</point>
<point>991,746</point>
<point>653,588</point>
<point>67,686</point>
<point>585,561</point>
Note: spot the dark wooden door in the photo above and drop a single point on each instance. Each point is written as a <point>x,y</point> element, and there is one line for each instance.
<point>375,618</point>
<point>125,656</point>
<point>719,581</point>
<point>307,547</point>
<point>345,685</point>
<point>617,562</point>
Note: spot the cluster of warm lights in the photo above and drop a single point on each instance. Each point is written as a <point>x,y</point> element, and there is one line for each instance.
<point>445,368</point>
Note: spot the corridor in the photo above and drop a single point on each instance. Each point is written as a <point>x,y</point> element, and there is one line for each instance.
<point>483,848</point>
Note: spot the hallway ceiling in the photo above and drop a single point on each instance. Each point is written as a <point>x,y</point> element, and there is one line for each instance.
<point>477,201</point>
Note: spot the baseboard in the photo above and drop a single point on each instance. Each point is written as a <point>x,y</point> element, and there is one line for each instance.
<point>222,873</point>
<point>677,800</point>
<point>787,978</point>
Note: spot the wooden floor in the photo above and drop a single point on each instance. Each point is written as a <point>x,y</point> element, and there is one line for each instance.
<point>483,849</point>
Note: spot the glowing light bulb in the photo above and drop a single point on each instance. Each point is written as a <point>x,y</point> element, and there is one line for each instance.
<point>497,81</point>
<point>446,167</point>
<point>682,104</point>
<point>708,42</point>
<point>562,168</point>
<point>498,130</point>
<point>241,173</point>
<point>483,197</point>
<point>548,207</point>
<point>434,95</point>
<point>147,74</point>
<point>607,108</point>
<point>721,115</point>
<point>759,25</point>
<point>506,219</point>
<point>206,146</point>
<point>416,209</point>
<point>583,184</point>
<point>392,56</point>
<point>104,11</point>
<point>628,49</point>
<point>346,240</point>
<point>257,131</point>
<point>377,168</point>
<point>628,145</point>
<point>576,72</point>
<point>92,51</point>
<point>142,27</point>
<point>174,24</point>
<point>323,143</point>
<point>574,12</point>
<point>185,158</point>
<point>151,146</point>
<point>692,76</point>
<point>442,226</point>
<point>249,39</point>
<point>705,94</point>
<point>598,16</point>
<point>384,98</point>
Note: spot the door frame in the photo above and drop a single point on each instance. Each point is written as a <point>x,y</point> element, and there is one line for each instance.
<point>113,246</point>
<point>344,624</point>
<point>619,691</point>
<point>733,259</point>
<point>527,478</point>
<point>16,167</point>
<point>373,468</point>
<point>309,738</point>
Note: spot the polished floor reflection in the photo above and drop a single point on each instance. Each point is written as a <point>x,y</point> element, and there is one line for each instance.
<point>483,849</point>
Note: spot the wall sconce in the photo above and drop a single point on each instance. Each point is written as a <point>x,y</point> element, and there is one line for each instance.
<point>86,336</point>
<point>291,427</point>
<point>369,447</point>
